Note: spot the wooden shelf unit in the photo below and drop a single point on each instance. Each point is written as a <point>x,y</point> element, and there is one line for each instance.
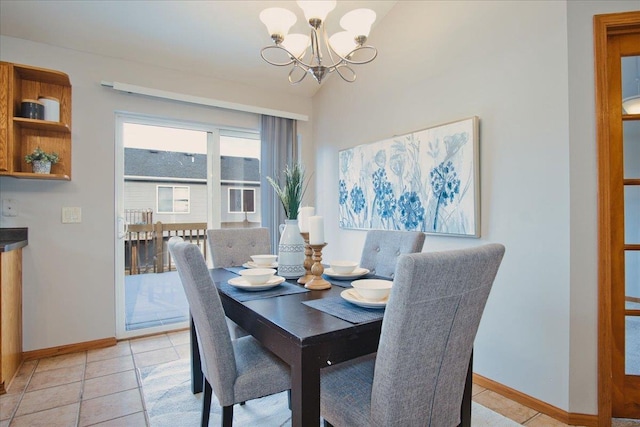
<point>20,136</point>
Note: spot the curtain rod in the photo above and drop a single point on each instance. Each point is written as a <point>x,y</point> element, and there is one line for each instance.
<point>174,96</point>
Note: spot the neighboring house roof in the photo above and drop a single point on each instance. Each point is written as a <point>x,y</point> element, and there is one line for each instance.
<point>154,164</point>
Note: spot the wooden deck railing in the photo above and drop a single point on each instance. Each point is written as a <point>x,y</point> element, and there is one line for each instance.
<point>138,216</point>
<point>146,244</point>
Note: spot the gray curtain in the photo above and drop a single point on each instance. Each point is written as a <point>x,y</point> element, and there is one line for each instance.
<point>279,148</point>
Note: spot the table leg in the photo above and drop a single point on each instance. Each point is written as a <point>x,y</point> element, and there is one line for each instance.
<point>465,408</point>
<point>305,392</point>
<point>196,368</point>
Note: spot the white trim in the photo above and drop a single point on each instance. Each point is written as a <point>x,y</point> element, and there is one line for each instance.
<point>240,134</point>
<point>232,182</point>
<point>163,179</point>
<point>191,99</point>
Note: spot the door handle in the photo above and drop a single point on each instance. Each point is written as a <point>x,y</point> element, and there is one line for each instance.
<point>121,228</point>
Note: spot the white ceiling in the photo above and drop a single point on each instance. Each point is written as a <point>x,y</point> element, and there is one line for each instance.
<point>221,39</point>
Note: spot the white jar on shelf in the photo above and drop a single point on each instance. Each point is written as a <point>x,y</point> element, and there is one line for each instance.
<point>51,108</point>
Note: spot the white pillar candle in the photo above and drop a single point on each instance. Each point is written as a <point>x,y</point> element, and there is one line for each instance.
<point>303,218</point>
<point>316,230</point>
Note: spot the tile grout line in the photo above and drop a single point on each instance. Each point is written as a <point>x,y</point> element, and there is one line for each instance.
<point>139,387</point>
<point>139,378</point>
<point>84,372</point>
<point>536,415</point>
<point>24,390</point>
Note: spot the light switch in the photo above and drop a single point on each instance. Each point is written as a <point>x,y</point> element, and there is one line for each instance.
<point>71,215</point>
<point>9,207</point>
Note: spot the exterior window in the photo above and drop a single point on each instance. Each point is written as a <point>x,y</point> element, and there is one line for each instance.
<point>173,199</point>
<point>242,200</point>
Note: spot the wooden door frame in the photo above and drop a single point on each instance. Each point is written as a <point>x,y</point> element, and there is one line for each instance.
<point>604,27</point>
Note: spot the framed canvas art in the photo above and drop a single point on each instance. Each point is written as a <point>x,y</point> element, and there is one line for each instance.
<point>426,181</point>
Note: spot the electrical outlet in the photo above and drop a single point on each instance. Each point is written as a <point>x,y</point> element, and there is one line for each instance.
<point>71,215</point>
<point>9,207</point>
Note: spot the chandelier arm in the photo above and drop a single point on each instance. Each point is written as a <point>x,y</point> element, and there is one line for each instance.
<point>295,61</point>
<point>345,59</point>
<point>337,70</point>
<point>292,60</point>
<point>365,61</point>
<point>304,74</point>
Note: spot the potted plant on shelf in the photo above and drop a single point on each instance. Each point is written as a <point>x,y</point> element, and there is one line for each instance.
<point>291,245</point>
<point>41,161</point>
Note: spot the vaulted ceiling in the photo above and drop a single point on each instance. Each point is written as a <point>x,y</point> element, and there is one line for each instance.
<point>221,39</point>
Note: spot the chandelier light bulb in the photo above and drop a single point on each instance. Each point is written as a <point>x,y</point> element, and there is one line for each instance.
<point>342,42</point>
<point>316,9</point>
<point>296,44</point>
<point>358,22</point>
<point>278,21</point>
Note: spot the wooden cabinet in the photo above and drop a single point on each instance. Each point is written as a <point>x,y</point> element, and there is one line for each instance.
<point>20,136</point>
<point>10,316</point>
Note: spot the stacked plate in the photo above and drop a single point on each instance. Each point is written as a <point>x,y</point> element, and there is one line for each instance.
<point>354,298</point>
<point>356,273</point>
<point>262,261</point>
<point>257,279</point>
<point>252,264</point>
<point>368,293</point>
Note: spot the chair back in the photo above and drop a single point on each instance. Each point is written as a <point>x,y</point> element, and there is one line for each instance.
<point>433,314</point>
<point>383,247</point>
<point>234,246</point>
<point>216,351</point>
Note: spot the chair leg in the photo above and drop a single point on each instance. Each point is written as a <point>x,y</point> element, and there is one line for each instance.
<point>206,403</point>
<point>227,416</point>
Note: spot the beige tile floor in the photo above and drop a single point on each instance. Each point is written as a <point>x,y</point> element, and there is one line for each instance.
<point>101,388</point>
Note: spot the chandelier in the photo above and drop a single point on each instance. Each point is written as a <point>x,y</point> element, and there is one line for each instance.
<point>318,54</point>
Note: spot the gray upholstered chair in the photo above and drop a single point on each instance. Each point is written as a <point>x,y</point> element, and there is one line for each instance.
<point>417,377</point>
<point>232,247</point>
<point>383,247</point>
<point>235,370</point>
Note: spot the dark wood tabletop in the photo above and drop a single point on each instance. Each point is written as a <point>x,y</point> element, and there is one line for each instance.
<point>304,337</point>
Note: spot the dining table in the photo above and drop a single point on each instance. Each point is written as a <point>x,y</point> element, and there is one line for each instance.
<point>307,329</point>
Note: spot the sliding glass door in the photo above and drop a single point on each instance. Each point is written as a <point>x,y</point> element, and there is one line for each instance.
<point>174,178</point>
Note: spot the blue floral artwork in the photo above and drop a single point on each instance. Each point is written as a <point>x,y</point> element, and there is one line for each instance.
<point>424,181</point>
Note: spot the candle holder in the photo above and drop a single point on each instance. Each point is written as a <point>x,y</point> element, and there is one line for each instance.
<point>308,262</point>
<point>317,283</point>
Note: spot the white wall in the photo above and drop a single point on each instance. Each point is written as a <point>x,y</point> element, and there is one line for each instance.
<point>583,192</point>
<point>508,63</point>
<point>68,287</point>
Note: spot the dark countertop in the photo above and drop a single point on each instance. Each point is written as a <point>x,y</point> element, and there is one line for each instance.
<point>13,238</point>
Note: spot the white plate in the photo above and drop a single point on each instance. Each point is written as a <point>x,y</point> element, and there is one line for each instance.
<point>252,264</point>
<point>358,272</point>
<point>352,296</point>
<point>241,283</point>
